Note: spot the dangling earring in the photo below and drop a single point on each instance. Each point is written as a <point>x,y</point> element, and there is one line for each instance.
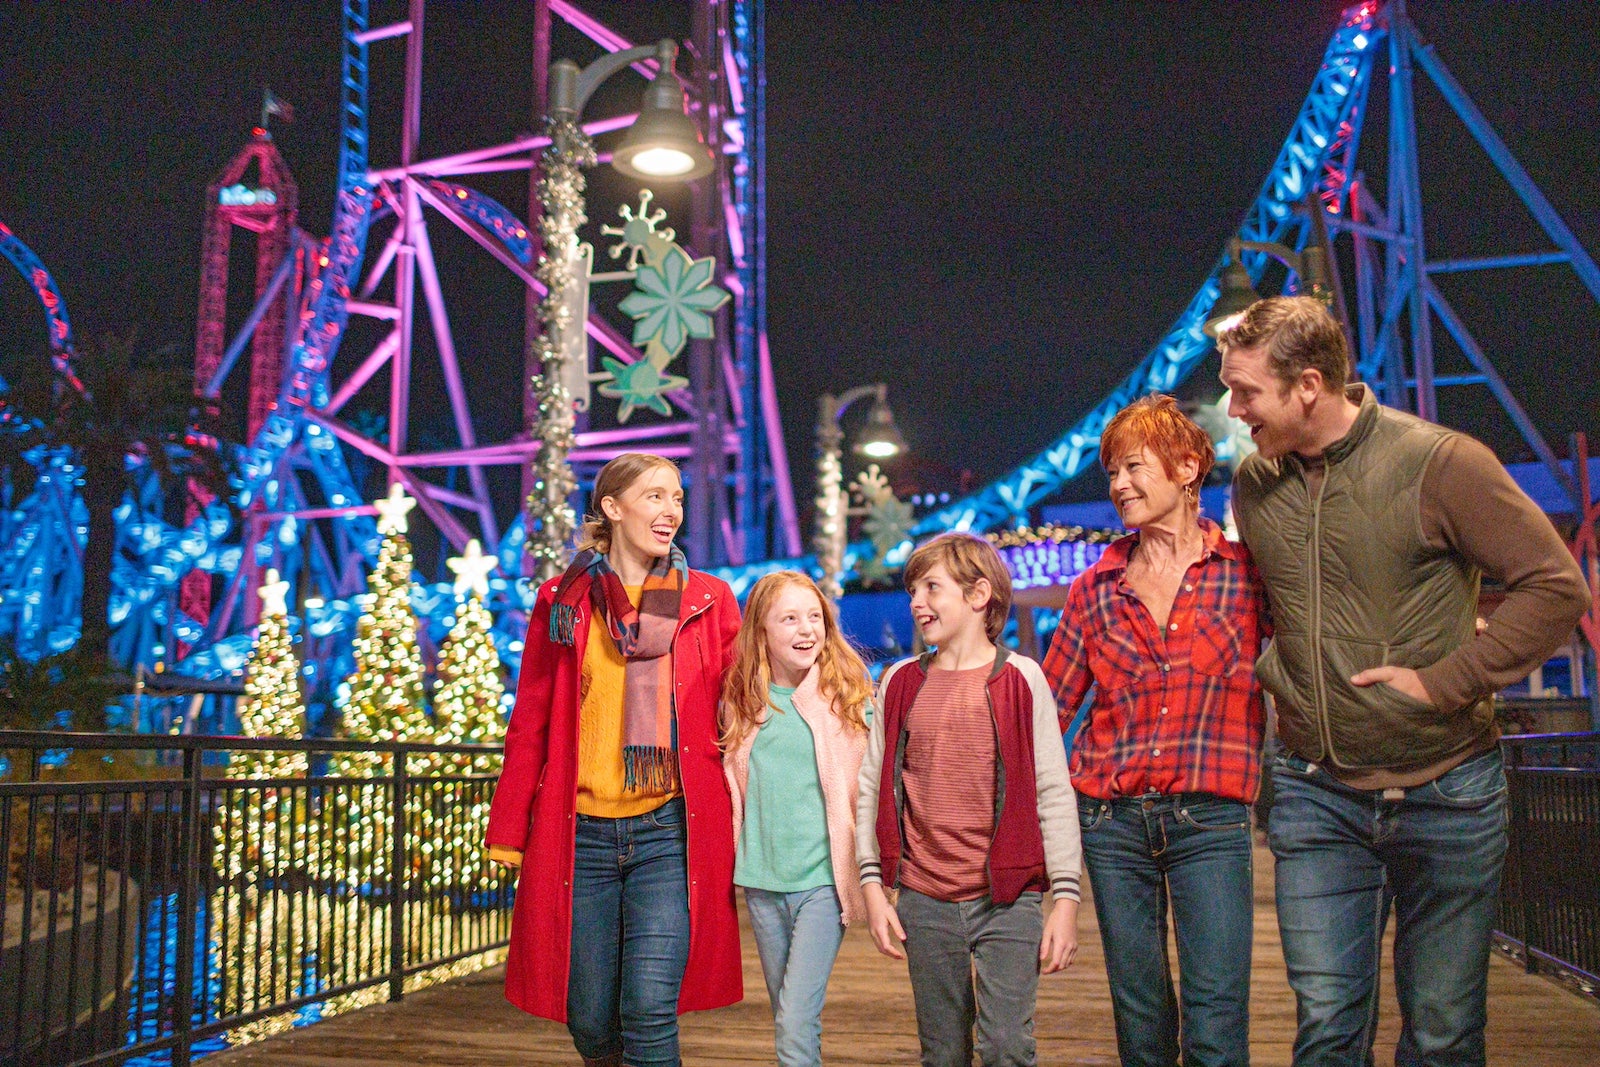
<point>1191,495</point>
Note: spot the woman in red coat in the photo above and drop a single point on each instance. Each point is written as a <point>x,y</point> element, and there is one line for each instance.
<point>613,788</point>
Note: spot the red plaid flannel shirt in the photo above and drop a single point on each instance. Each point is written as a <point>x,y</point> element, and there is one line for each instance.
<point>1173,712</point>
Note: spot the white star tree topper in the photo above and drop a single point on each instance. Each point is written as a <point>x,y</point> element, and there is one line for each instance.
<point>274,594</point>
<point>392,510</point>
<point>471,569</point>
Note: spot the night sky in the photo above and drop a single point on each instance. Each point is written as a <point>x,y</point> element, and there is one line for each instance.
<point>996,207</point>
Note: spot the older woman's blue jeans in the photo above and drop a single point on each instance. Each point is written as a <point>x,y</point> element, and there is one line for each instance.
<point>630,936</point>
<point>1193,850</point>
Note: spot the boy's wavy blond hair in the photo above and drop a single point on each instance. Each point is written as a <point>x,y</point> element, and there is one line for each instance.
<point>967,557</point>
<point>842,675</point>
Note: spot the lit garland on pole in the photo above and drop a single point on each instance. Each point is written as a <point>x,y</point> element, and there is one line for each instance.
<point>828,538</point>
<point>550,517</point>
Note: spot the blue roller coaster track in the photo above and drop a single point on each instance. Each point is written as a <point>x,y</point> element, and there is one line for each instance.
<point>1315,171</point>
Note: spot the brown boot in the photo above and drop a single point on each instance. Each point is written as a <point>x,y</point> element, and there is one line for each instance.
<point>614,1060</point>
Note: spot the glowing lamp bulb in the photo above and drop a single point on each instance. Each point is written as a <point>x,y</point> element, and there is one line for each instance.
<point>879,449</point>
<point>664,162</point>
<point>1224,325</point>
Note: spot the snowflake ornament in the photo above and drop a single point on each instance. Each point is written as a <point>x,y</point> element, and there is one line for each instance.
<point>639,234</point>
<point>639,385</point>
<point>671,303</point>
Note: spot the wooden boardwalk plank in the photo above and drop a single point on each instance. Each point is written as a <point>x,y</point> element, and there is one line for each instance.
<point>869,1018</point>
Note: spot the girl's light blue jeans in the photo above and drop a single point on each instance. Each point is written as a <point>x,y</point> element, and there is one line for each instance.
<point>798,936</point>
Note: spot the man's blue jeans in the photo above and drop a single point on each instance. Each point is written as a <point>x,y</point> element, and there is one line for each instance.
<point>1193,850</point>
<point>798,936</point>
<point>1343,857</point>
<point>630,936</point>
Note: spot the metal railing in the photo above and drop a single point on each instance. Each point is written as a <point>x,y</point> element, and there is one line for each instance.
<point>1550,894</point>
<point>168,896</point>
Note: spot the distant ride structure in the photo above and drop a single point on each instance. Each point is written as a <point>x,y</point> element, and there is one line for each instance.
<point>337,341</point>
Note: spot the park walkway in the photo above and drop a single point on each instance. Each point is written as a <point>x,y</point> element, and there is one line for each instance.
<point>467,1023</point>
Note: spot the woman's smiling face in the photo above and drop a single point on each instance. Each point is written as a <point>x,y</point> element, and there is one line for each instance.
<point>646,515</point>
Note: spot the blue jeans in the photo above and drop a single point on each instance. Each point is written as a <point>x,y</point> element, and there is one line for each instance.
<point>1194,850</point>
<point>945,943</point>
<point>630,936</point>
<point>798,936</point>
<point>1343,857</point>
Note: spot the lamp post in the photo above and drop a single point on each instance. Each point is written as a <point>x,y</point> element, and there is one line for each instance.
<point>1312,265</point>
<point>662,143</point>
<point>1238,292</point>
<point>880,439</point>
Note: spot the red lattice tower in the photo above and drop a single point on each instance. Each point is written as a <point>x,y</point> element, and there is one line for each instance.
<point>254,191</point>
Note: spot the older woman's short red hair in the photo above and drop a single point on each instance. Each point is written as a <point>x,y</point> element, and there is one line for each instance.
<point>1155,422</point>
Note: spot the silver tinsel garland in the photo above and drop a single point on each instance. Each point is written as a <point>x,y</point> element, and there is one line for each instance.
<point>561,200</point>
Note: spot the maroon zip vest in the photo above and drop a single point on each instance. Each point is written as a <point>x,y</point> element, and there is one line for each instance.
<point>1016,851</point>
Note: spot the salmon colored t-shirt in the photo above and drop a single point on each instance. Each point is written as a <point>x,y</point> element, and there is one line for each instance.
<point>949,782</point>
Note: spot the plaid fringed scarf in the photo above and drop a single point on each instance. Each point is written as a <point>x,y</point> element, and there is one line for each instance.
<point>644,637</point>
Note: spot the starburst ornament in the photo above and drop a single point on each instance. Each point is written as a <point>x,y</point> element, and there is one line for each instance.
<point>471,569</point>
<point>639,234</point>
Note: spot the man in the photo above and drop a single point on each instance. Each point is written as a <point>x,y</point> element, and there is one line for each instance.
<point>1371,528</point>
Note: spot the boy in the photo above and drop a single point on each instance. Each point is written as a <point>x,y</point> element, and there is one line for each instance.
<point>965,805</point>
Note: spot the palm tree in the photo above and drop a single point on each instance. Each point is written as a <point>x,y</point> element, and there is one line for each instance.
<point>135,408</point>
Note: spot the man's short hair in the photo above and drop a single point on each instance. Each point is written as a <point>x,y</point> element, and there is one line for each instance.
<point>1299,334</point>
<point>967,557</point>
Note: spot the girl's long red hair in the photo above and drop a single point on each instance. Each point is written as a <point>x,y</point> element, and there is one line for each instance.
<point>842,675</point>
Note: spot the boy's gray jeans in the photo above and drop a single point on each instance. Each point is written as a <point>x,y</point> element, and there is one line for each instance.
<point>945,942</point>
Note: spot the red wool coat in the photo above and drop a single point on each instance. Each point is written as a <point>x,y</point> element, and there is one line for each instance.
<point>534,809</point>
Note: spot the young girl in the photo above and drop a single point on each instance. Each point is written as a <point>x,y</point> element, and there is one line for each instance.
<point>612,784</point>
<point>794,729</point>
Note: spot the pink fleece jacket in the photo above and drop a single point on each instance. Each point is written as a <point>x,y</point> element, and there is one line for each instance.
<point>839,751</point>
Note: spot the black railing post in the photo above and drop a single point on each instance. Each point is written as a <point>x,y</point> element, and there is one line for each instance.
<point>188,907</point>
<point>397,877</point>
<point>1521,831</point>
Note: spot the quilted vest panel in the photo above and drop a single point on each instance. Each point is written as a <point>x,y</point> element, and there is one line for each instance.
<point>1353,585</point>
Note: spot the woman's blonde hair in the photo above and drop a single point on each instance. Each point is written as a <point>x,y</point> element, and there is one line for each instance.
<point>613,480</point>
<point>842,675</point>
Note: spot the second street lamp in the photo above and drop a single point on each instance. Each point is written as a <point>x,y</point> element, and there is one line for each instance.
<point>880,439</point>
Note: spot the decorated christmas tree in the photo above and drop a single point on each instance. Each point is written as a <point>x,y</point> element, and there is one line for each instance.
<point>467,709</point>
<point>253,832</point>
<point>467,702</point>
<point>259,837</point>
<point>383,700</point>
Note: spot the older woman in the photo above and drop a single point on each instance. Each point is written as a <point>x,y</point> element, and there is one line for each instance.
<point>1165,628</point>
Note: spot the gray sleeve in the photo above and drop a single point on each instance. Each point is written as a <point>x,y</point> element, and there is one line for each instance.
<point>1057,800</point>
<point>867,857</point>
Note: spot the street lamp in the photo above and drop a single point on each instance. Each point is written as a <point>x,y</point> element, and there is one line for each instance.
<point>880,439</point>
<point>1238,293</point>
<point>662,143</point>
